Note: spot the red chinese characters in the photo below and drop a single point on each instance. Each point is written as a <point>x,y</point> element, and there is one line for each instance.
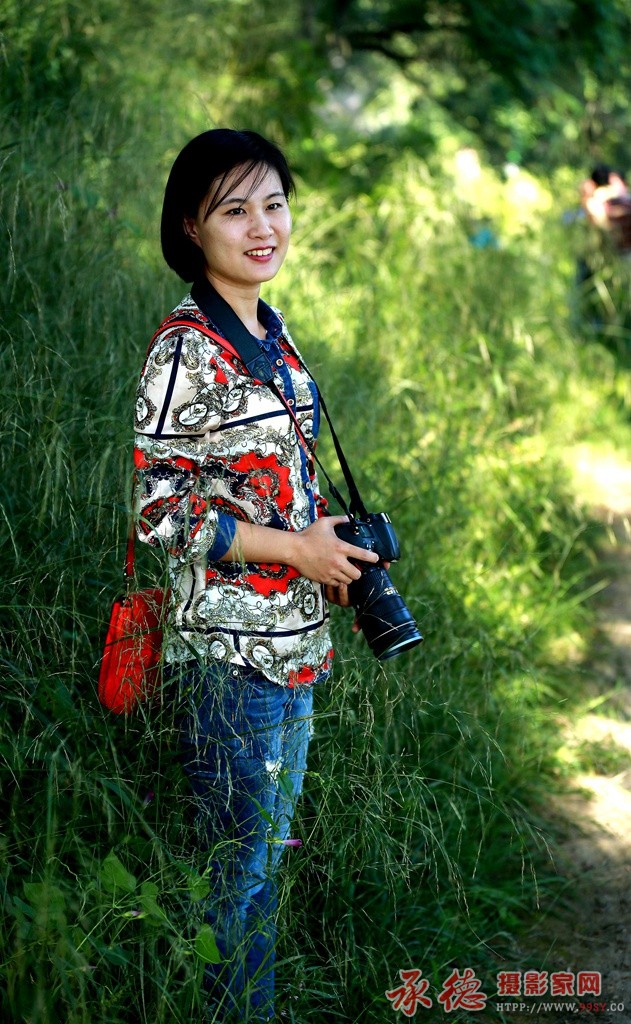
<point>410,995</point>
<point>462,992</point>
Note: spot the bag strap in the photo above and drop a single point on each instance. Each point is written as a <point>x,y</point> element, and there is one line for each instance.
<point>219,312</point>
<point>130,551</point>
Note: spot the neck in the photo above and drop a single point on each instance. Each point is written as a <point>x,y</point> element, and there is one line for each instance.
<point>243,300</point>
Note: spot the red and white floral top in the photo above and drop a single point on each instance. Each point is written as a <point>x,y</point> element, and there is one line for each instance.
<point>214,445</point>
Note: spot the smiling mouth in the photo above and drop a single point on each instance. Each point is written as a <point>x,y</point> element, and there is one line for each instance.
<point>260,252</point>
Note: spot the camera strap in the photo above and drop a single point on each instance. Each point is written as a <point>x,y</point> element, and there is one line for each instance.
<point>221,313</point>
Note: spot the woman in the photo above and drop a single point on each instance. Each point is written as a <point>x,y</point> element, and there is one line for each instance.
<point>227,485</point>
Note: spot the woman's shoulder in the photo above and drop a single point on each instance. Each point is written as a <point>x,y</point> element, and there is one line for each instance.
<point>187,329</point>
<point>186,315</point>
<point>188,343</point>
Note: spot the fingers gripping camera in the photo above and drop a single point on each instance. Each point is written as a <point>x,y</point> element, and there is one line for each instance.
<point>381,612</point>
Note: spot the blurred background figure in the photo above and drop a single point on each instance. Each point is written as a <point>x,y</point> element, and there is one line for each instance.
<point>606,199</point>
<point>603,300</point>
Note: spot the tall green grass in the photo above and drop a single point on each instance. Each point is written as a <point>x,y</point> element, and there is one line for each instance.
<point>454,379</point>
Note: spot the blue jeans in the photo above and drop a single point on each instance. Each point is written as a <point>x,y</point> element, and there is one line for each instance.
<point>244,742</point>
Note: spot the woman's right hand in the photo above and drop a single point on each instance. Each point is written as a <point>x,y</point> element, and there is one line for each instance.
<point>323,557</point>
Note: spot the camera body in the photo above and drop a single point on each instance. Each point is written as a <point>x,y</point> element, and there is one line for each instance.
<point>381,612</point>
<point>374,533</point>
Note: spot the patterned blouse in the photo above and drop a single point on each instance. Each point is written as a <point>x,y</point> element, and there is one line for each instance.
<point>213,445</point>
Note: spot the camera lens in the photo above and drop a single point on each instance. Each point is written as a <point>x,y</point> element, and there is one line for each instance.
<point>382,614</point>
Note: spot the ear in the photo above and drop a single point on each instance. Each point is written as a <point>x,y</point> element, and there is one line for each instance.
<point>190,229</point>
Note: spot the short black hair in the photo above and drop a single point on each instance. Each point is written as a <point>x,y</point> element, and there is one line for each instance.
<point>601,173</point>
<point>210,157</point>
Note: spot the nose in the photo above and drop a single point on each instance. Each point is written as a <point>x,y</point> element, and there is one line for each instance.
<point>260,226</point>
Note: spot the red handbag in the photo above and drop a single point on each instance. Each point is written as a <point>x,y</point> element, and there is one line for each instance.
<point>131,662</point>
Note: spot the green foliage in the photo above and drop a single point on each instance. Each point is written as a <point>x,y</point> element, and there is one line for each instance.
<point>538,45</point>
<point>49,46</point>
<point>548,83</point>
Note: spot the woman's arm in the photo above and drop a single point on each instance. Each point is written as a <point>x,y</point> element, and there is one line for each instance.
<point>316,552</point>
<point>171,512</point>
<point>174,516</point>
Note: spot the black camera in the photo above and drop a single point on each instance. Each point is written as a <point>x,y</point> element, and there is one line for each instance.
<point>381,612</point>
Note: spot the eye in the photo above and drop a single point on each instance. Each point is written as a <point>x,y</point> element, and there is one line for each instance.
<point>275,206</point>
<point>234,211</point>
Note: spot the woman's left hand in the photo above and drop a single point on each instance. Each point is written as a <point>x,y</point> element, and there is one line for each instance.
<point>339,595</point>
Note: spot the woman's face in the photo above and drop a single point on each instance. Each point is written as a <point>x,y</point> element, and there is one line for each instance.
<point>245,238</point>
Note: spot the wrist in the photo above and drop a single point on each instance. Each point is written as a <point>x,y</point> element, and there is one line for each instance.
<point>295,546</point>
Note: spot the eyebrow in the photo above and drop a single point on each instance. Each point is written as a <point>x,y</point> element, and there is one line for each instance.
<point>238,199</point>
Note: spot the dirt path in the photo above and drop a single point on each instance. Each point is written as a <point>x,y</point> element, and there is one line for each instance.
<point>590,929</point>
